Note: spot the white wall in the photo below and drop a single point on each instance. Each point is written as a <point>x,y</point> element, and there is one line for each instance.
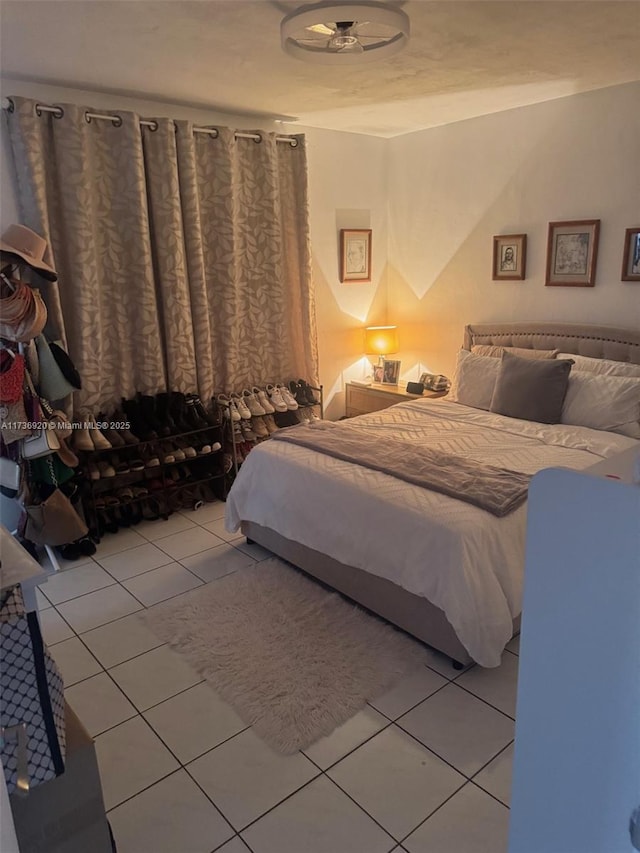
<point>452,188</point>
<point>347,189</point>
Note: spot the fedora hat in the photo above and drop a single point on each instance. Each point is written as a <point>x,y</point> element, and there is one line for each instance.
<point>30,247</point>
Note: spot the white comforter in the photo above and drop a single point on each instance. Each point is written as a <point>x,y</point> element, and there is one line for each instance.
<point>461,558</point>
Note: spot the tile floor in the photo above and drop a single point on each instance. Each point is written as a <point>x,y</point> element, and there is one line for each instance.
<point>424,769</point>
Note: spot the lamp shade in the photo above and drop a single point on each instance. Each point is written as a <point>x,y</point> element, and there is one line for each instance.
<point>381,340</point>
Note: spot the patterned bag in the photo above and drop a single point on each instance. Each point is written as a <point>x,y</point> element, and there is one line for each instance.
<point>32,714</point>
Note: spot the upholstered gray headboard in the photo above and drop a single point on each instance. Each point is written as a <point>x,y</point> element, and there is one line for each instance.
<point>594,341</point>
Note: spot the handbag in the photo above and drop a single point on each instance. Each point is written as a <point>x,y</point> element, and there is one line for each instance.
<point>32,712</point>
<point>53,521</point>
<point>11,376</point>
<point>42,442</point>
<point>9,477</point>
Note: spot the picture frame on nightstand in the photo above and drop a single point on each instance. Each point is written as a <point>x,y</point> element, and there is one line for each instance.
<point>390,371</point>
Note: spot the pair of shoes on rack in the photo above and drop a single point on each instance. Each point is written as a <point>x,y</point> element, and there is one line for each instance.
<point>87,436</point>
<point>305,392</point>
<point>281,398</point>
<point>306,415</point>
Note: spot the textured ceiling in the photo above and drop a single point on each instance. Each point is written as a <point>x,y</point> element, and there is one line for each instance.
<point>464,59</point>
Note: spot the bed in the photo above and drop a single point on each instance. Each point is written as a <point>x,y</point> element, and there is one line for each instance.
<point>443,570</point>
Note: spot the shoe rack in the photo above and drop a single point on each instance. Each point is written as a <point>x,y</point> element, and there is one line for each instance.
<point>151,479</point>
<point>235,443</point>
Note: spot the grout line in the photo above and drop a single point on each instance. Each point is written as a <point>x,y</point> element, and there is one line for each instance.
<point>431,814</point>
<point>362,808</point>
<point>486,702</point>
<point>489,794</point>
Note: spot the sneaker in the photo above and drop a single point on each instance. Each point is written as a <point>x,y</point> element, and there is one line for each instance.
<point>241,406</point>
<point>308,392</point>
<point>262,398</point>
<point>276,398</point>
<point>247,433</point>
<point>270,424</point>
<point>252,404</point>
<point>288,398</point>
<point>229,409</point>
<point>260,427</point>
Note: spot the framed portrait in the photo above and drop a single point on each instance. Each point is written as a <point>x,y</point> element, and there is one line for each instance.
<point>355,254</point>
<point>572,253</point>
<point>390,372</point>
<point>631,255</point>
<point>509,257</point>
<point>378,373</point>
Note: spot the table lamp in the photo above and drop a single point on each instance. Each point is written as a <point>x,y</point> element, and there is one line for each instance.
<point>381,340</point>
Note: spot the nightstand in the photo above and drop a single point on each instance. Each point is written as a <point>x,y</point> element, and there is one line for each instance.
<point>363,399</point>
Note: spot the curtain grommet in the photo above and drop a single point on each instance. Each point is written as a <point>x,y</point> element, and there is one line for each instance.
<point>12,107</point>
<point>116,121</point>
<point>294,143</point>
<point>87,118</point>
<point>257,138</point>
<point>59,112</point>
<point>38,111</point>
<point>153,126</point>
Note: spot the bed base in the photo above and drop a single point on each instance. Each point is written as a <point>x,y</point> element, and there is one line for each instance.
<point>410,612</point>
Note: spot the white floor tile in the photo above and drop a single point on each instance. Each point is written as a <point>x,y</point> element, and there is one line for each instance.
<point>173,815</point>
<point>208,512</point>
<point>114,543</point>
<point>396,780</point>
<point>460,728</point>
<point>236,845</point>
<point>412,689</point>
<point>160,584</point>
<point>154,676</point>
<point>47,565</point>
<point>99,703</point>
<point>153,530</point>
<point>121,640</point>
<point>217,527</point>
<point>76,581</point>
<point>245,778</point>
<point>254,550</point>
<point>346,738</point>
<point>43,601</point>
<point>74,661</point>
<point>320,818</point>
<point>194,721</point>
<point>216,562</point>
<point>497,686</point>
<point>134,561</point>
<point>442,664</point>
<point>514,645</point>
<point>54,628</point>
<point>496,776</point>
<point>470,822</point>
<point>188,542</point>
<point>98,608</point>
<point>131,757</point>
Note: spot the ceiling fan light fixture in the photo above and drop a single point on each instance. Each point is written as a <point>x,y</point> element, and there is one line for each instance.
<point>344,33</point>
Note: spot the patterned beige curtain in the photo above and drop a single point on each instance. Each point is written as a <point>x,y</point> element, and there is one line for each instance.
<point>183,259</point>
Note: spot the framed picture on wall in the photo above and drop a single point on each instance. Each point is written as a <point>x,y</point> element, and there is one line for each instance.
<point>355,254</point>
<point>631,255</point>
<point>390,372</point>
<point>572,252</point>
<point>509,257</point>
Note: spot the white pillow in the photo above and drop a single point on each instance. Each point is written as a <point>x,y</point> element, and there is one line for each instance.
<point>603,366</point>
<point>474,380</point>
<point>603,402</point>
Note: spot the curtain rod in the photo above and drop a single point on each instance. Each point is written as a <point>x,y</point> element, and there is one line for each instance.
<point>58,112</point>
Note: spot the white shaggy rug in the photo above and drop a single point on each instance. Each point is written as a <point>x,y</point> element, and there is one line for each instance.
<point>294,660</point>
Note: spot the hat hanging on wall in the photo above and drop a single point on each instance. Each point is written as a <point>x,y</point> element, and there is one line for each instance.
<point>29,247</point>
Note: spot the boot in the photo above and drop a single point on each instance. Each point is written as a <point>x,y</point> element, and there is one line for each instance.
<point>192,413</point>
<point>163,404</point>
<point>148,408</point>
<point>200,410</point>
<point>139,424</point>
<point>178,410</point>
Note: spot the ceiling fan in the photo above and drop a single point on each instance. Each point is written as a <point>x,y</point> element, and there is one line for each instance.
<point>344,32</point>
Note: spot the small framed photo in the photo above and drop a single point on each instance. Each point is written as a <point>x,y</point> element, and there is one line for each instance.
<point>355,254</point>
<point>378,373</point>
<point>572,252</point>
<point>631,255</point>
<point>509,257</point>
<point>390,372</point>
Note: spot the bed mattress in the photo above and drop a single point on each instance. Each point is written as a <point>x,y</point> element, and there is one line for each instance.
<point>461,558</point>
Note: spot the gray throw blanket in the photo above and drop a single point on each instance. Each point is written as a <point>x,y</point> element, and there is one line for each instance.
<point>497,490</point>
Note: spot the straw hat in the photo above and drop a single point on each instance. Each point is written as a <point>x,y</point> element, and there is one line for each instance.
<point>30,247</point>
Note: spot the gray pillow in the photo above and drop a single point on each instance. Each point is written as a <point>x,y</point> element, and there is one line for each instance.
<point>533,390</point>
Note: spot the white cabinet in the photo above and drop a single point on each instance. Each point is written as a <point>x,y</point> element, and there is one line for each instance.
<point>576,775</point>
